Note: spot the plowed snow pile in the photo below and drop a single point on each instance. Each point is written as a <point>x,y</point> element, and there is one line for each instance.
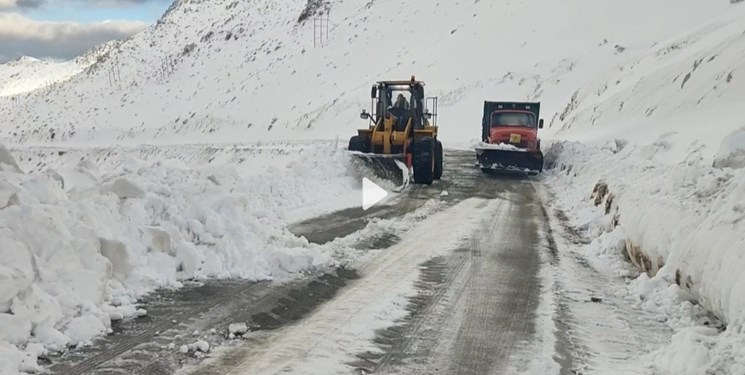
<point>79,244</point>
<point>683,224</point>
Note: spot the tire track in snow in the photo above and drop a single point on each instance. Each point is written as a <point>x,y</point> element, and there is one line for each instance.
<point>478,309</point>
<point>437,280</point>
<point>161,319</point>
<point>597,324</point>
<point>329,338</point>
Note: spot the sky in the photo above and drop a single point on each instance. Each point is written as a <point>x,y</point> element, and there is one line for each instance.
<point>64,29</point>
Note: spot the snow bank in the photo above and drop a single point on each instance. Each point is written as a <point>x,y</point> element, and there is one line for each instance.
<point>490,146</point>
<point>77,255</point>
<point>701,350</point>
<point>7,161</point>
<point>698,345</point>
<point>731,153</point>
<point>682,224</point>
<point>688,222</point>
<point>237,328</point>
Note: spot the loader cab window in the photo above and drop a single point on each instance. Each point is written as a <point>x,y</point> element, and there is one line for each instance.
<point>522,119</point>
<point>405,102</point>
<point>398,101</point>
<point>396,98</point>
<point>397,104</point>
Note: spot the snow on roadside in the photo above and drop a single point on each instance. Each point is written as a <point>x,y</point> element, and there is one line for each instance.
<point>684,225</point>
<point>80,244</point>
<point>731,153</point>
<point>478,145</point>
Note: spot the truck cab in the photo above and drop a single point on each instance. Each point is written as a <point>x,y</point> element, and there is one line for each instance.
<point>510,137</point>
<point>511,125</point>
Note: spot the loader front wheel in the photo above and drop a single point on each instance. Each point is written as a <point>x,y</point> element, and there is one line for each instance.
<point>423,160</point>
<point>438,160</point>
<point>357,143</point>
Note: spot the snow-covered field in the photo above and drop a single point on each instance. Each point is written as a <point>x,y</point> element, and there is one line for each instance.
<point>135,180</point>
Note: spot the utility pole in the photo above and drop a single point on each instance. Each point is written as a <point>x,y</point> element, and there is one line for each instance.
<point>321,29</point>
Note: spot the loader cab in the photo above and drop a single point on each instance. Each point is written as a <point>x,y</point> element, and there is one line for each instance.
<point>402,128</point>
<point>404,100</point>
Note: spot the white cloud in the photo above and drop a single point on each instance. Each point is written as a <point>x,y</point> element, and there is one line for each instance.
<point>7,4</point>
<point>24,36</point>
<point>114,3</point>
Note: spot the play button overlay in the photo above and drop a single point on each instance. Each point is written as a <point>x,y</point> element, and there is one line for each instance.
<point>372,194</point>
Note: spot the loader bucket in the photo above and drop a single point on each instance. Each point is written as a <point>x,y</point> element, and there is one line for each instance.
<point>393,168</point>
<point>510,160</point>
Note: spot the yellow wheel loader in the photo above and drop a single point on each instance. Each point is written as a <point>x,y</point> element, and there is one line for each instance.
<point>402,135</point>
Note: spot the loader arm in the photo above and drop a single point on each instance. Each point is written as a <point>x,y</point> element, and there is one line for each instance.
<point>386,139</point>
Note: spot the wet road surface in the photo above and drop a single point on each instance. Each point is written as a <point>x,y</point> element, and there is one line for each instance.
<point>475,307</point>
<point>474,313</point>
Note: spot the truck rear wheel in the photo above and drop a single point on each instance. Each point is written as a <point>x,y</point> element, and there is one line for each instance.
<point>438,160</point>
<point>423,159</point>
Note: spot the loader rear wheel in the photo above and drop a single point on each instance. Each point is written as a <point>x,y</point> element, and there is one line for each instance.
<point>438,160</point>
<point>357,143</point>
<point>423,159</point>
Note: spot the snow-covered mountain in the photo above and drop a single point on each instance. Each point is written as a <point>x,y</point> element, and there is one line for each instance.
<point>26,74</point>
<point>234,71</point>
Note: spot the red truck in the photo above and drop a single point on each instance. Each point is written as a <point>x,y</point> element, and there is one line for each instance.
<point>510,138</point>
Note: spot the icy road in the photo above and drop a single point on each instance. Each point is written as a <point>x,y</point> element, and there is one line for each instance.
<point>483,282</point>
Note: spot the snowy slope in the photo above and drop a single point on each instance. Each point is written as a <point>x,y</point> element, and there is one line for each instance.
<point>679,101</point>
<point>232,71</point>
<point>27,74</point>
